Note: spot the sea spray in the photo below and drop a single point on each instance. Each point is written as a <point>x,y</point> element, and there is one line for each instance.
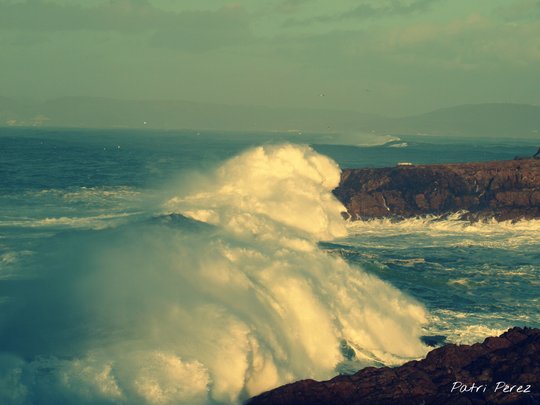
<point>216,308</point>
<point>270,192</point>
<point>489,232</point>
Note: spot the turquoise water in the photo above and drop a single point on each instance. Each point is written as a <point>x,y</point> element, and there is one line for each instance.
<point>107,239</point>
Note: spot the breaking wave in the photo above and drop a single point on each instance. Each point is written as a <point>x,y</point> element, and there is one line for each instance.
<point>488,233</point>
<point>373,140</point>
<point>398,145</point>
<point>225,295</point>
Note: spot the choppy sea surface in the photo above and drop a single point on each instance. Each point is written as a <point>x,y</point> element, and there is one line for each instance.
<point>206,267</point>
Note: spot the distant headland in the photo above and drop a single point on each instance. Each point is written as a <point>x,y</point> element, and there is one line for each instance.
<point>504,190</point>
<point>504,120</point>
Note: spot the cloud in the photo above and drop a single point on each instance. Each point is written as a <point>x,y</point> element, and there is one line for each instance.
<point>520,10</point>
<point>205,30</point>
<point>475,40</point>
<point>386,8</point>
<point>370,9</point>
<point>187,30</point>
<point>119,15</point>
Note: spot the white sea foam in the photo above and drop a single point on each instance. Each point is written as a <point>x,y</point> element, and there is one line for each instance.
<point>399,145</point>
<point>85,194</point>
<point>372,140</point>
<point>488,233</point>
<point>9,261</point>
<point>9,258</point>
<point>271,191</point>
<point>243,306</point>
<point>467,328</point>
<point>91,222</point>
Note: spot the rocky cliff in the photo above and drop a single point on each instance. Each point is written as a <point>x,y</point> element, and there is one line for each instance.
<point>502,190</point>
<point>501,370</point>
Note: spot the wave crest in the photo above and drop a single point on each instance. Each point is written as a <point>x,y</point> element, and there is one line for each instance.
<point>267,189</point>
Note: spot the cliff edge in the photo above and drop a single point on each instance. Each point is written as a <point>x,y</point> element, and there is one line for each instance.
<point>504,370</point>
<point>504,190</point>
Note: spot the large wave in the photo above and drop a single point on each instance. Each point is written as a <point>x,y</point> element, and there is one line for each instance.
<point>216,308</point>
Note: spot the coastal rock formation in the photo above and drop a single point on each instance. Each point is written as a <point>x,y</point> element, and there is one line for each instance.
<point>505,190</point>
<point>506,368</point>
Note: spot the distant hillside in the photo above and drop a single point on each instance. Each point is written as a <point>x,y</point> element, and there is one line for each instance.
<point>501,120</point>
<point>111,113</point>
<point>475,119</point>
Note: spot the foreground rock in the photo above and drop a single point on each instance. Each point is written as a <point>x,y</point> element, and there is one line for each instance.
<point>512,359</point>
<point>505,190</point>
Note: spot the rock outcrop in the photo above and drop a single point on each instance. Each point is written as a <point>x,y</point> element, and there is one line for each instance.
<point>504,370</point>
<point>505,190</point>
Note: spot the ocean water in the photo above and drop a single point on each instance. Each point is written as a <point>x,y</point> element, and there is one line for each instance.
<point>206,267</point>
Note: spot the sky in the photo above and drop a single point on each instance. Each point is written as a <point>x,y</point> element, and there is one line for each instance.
<point>391,57</point>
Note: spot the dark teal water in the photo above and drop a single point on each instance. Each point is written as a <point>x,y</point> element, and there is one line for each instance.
<point>66,194</point>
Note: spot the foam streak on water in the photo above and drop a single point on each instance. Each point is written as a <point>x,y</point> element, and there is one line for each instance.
<point>477,279</point>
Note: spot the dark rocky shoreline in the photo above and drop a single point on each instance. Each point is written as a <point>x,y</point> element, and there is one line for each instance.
<point>504,190</point>
<point>512,358</point>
